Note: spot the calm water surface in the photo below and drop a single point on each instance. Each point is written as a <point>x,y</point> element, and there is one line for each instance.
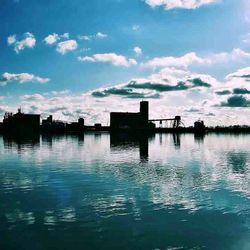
<point>112,192</point>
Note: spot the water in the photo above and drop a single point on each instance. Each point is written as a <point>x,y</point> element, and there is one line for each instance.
<point>101,192</point>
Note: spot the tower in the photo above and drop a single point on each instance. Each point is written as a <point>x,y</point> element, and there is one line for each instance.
<point>144,112</point>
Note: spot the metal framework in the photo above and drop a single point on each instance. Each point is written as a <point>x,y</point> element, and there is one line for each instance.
<point>174,122</point>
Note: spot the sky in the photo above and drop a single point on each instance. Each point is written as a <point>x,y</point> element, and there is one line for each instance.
<point>85,59</point>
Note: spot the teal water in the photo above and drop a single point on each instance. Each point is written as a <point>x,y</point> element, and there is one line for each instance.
<point>101,192</point>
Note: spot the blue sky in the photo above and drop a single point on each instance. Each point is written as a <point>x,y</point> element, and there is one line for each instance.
<point>56,54</point>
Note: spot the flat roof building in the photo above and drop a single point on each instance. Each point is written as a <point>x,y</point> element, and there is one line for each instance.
<point>21,124</point>
<point>128,120</point>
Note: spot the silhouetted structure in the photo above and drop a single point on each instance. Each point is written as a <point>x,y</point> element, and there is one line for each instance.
<point>51,126</point>
<point>98,126</point>
<point>199,127</point>
<point>122,120</point>
<point>76,126</point>
<point>229,129</point>
<point>28,124</point>
<point>21,124</point>
<point>175,122</point>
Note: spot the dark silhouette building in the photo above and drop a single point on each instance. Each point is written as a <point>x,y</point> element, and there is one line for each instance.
<point>51,126</point>
<point>199,126</point>
<point>21,124</point>
<point>126,120</point>
<point>76,126</point>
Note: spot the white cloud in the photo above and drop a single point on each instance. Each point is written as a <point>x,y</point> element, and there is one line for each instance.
<point>62,92</point>
<point>191,58</point>
<point>21,78</point>
<point>66,46</point>
<point>54,38</point>
<point>239,53</point>
<point>101,35</point>
<point>239,79</point>
<point>241,73</point>
<point>86,59</point>
<point>84,37</point>
<point>182,4</point>
<point>11,39</point>
<point>29,41</point>
<point>98,35</point>
<point>138,51</point>
<point>34,97</point>
<point>235,54</point>
<point>51,39</point>
<point>183,61</point>
<point>116,60</point>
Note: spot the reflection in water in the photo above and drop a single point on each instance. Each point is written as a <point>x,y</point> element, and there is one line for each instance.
<point>199,137</point>
<point>125,140</point>
<point>177,141</point>
<point>47,139</point>
<point>125,192</point>
<point>80,138</point>
<point>21,143</point>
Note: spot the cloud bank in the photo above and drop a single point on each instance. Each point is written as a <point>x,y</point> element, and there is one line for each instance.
<point>116,60</point>
<point>236,101</point>
<point>21,78</point>
<point>180,4</point>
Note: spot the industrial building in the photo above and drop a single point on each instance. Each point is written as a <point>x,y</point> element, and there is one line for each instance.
<point>29,124</point>
<point>21,124</point>
<point>199,126</point>
<point>75,126</point>
<point>126,120</point>
<point>51,126</point>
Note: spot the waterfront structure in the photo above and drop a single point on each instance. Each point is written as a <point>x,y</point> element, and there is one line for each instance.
<point>51,126</point>
<point>21,124</point>
<point>128,120</point>
<point>199,126</point>
<point>175,123</point>
<point>75,126</point>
